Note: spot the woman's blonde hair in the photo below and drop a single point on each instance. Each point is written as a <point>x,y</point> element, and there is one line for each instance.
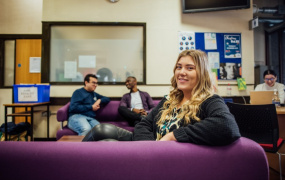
<point>202,90</point>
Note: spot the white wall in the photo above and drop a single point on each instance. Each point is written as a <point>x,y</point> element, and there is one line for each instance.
<point>164,18</point>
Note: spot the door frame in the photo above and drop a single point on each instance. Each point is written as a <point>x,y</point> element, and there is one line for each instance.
<point>3,38</point>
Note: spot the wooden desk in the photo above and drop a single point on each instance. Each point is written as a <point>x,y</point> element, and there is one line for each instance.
<point>280,110</point>
<point>281,121</point>
<point>26,114</point>
<point>71,138</point>
<point>273,157</point>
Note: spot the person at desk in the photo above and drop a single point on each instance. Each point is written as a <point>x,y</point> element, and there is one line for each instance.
<point>83,105</point>
<point>270,84</point>
<point>191,112</point>
<point>136,104</point>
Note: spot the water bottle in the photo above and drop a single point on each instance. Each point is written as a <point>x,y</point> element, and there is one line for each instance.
<point>275,99</point>
<point>229,90</point>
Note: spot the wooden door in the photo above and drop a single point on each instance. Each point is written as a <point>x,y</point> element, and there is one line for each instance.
<point>26,48</point>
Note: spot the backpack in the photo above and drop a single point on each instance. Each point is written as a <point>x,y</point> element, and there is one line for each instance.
<point>16,132</point>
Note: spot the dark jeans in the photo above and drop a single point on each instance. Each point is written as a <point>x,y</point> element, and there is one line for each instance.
<point>108,132</point>
<point>131,117</point>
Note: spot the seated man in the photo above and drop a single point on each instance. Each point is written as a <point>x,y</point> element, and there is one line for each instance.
<point>136,104</point>
<point>83,105</point>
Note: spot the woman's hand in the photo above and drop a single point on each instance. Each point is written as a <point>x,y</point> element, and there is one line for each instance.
<point>168,137</point>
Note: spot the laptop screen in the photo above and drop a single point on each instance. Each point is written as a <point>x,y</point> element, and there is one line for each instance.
<point>261,97</point>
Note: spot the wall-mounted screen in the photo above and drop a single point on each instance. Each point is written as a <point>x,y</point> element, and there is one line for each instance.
<point>193,6</point>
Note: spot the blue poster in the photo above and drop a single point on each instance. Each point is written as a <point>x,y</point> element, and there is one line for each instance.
<point>232,46</point>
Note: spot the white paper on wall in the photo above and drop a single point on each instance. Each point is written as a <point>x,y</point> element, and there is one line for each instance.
<point>70,69</point>
<point>210,41</point>
<point>87,61</point>
<point>214,60</point>
<point>186,40</point>
<point>35,64</point>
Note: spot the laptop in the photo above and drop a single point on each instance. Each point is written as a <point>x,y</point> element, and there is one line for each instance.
<point>261,97</point>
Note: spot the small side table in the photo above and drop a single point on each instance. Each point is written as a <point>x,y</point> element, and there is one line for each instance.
<point>71,138</point>
<point>26,114</point>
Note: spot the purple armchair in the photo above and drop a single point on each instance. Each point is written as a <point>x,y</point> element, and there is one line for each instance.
<point>140,160</point>
<point>107,114</point>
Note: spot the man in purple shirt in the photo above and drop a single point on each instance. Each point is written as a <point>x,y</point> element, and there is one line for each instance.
<point>136,104</point>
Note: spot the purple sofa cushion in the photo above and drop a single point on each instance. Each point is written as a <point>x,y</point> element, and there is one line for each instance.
<point>140,160</point>
<point>62,113</point>
<point>109,112</point>
<point>64,131</point>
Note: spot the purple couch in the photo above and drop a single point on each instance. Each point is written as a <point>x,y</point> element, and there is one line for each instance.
<point>139,160</point>
<point>107,114</point>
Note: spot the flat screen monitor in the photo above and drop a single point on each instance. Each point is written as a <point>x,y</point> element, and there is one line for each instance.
<point>193,6</point>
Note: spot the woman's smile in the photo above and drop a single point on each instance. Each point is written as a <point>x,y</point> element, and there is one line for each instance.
<point>186,75</point>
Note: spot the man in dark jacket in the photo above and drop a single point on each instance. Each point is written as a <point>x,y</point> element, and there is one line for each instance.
<point>136,104</point>
<point>83,106</point>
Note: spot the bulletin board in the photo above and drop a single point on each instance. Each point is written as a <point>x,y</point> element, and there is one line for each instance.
<point>223,50</point>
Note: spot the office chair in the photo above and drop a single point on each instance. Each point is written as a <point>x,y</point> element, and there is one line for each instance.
<point>259,123</point>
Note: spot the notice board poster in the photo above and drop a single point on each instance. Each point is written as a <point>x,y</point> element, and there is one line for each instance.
<point>186,40</point>
<point>224,54</point>
<point>232,46</point>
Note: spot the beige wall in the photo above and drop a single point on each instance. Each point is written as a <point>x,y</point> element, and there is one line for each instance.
<point>18,17</point>
<point>164,18</point>
<point>21,16</point>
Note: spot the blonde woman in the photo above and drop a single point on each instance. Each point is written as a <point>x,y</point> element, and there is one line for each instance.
<point>191,112</point>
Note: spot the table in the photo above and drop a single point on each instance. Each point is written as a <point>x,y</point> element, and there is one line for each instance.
<point>272,157</point>
<point>26,114</point>
<point>71,138</point>
<point>280,110</point>
<point>281,121</point>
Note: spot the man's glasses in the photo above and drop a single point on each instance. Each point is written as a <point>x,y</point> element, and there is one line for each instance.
<point>269,79</point>
<point>95,83</point>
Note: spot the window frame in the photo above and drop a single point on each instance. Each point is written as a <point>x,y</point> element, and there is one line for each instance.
<point>46,42</point>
